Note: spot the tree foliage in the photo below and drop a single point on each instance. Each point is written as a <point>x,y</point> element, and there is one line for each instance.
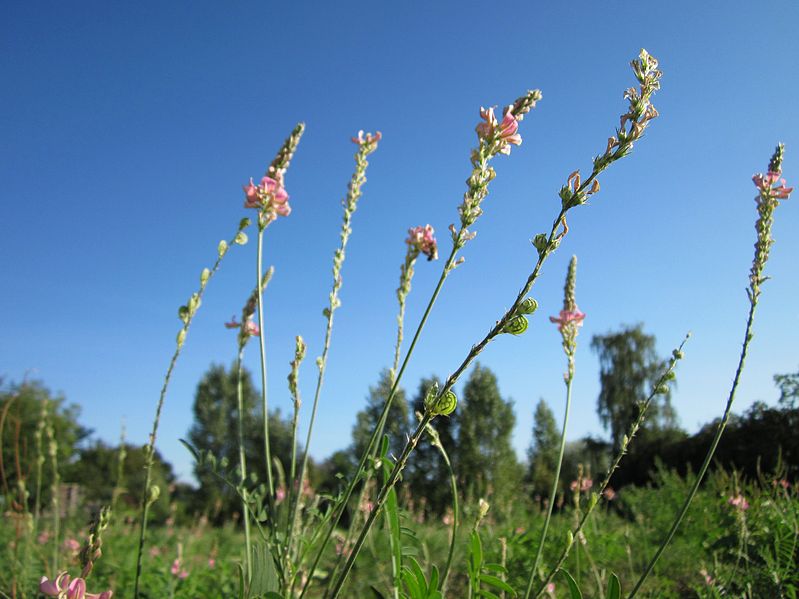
<point>485,460</point>
<point>628,369</point>
<point>367,419</point>
<point>543,452</point>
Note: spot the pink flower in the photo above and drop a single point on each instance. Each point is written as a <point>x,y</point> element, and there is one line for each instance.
<point>211,562</point>
<point>584,484</point>
<point>506,131</point>
<point>269,196</point>
<point>422,239</point>
<point>176,570</point>
<point>550,588</point>
<point>739,501</point>
<point>768,184</point>
<point>250,326</point>
<point>609,493</point>
<point>367,139</point>
<point>280,494</point>
<point>64,588</point>
<point>708,578</point>
<point>72,545</point>
<point>155,551</point>
<point>568,317</point>
<point>43,537</point>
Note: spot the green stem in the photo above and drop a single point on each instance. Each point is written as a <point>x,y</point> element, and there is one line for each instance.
<point>262,351</point>
<point>664,378</point>
<point>553,493</point>
<point>455,514</point>
<point>719,430</point>
<point>150,448</point>
<point>243,459</point>
<point>356,478</point>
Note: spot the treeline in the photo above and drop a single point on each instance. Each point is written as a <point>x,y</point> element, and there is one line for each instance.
<point>41,436</point>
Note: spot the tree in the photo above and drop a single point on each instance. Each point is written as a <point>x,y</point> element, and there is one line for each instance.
<point>21,408</point>
<point>96,471</point>
<point>485,460</point>
<point>427,477</point>
<point>788,384</point>
<point>215,429</point>
<point>367,419</point>
<point>628,369</point>
<point>543,451</point>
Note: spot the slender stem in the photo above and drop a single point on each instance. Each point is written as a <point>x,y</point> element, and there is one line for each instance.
<point>262,351</point>
<point>243,458</point>
<point>656,389</point>
<point>455,513</point>
<point>556,480</point>
<point>381,499</point>
<point>355,479</point>
<point>39,465</point>
<point>149,451</point>
<point>719,431</point>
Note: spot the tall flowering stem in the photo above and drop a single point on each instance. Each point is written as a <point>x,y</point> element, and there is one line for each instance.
<point>569,322</point>
<point>271,200</point>
<point>770,190</point>
<point>186,314</point>
<point>52,450</point>
<point>247,328</point>
<point>490,143</point>
<point>367,143</point>
<point>633,124</point>
<point>40,459</point>
<point>300,349</point>
<point>659,388</point>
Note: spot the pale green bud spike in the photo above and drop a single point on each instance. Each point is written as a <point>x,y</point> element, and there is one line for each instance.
<point>569,301</point>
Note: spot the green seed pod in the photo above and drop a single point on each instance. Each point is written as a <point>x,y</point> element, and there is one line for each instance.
<point>204,276</point>
<point>445,405</point>
<point>528,306</point>
<point>181,337</point>
<point>516,325</point>
<point>241,238</point>
<point>222,248</point>
<point>183,313</point>
<point>153,494</point>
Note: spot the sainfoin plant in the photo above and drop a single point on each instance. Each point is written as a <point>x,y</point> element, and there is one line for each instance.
<point>293,546</point>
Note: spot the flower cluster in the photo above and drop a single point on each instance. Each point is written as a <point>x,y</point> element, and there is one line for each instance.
<point>771,189</point>
<point>503,134</point>
<point>422,240</point>
<point>367,139</point>
<point>269,197</point>
<point>739,501</point>
<point>64,587</point>
<point>570,319</point>
<point>250,326</point>
<point>177,571</point>
<point>583,485</point>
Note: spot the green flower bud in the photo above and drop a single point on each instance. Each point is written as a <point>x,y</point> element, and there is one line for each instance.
<point>222,248</point>
<point>204,276</point>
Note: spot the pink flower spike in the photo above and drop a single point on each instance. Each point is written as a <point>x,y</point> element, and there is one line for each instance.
<point>76,589</point>
<point>253,328</point>
<point>739,501</point>
<point>567,317</point>
<point>175,569</point>
<point>508,129</point>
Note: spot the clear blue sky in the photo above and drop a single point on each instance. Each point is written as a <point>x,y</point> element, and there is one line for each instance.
<point>129,128</point>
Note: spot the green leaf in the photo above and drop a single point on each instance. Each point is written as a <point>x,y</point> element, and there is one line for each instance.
<point>377,594</point>
<point>241,580</point>
<point>497,583</point>
<point>433,586</point>
<point>574,590</point>
<point>476,551</point>
<point>614,587</point>
<point>412,584</point>
<point>487,594</point>
<point>264,574</point>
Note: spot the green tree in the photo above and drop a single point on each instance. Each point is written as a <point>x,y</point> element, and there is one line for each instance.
<point>485,461</point>
<point>628,368</point>
<point>215,429</point>
<point>543,451</point>
<point>788,384</point>
<point>366,421</point>
<point>427,477</point>
<point>20,414</point>
<point>96,471</point>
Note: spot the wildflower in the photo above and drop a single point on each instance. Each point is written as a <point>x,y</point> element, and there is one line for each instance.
<point>421,238</point>
<point>739,501</point>
<point>367,139</point>
<point>768,184</point>
<point>568,318</point>
<point>177,571</point>
<point>250,326</point>
<point>211,562</point>
<point>550,589</point>
<point>43,537</point>
<point>280,494</point>
<point>505,133</point>
<point>72,545</point>
<point>584,485</point>
<point>609,493</point>
<point>269,196</point>
<point>155,551</point>
<point>708,578</point>
<point>64,588</point>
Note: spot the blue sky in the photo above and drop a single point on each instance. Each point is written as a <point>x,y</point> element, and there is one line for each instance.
<point>129,128</point>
